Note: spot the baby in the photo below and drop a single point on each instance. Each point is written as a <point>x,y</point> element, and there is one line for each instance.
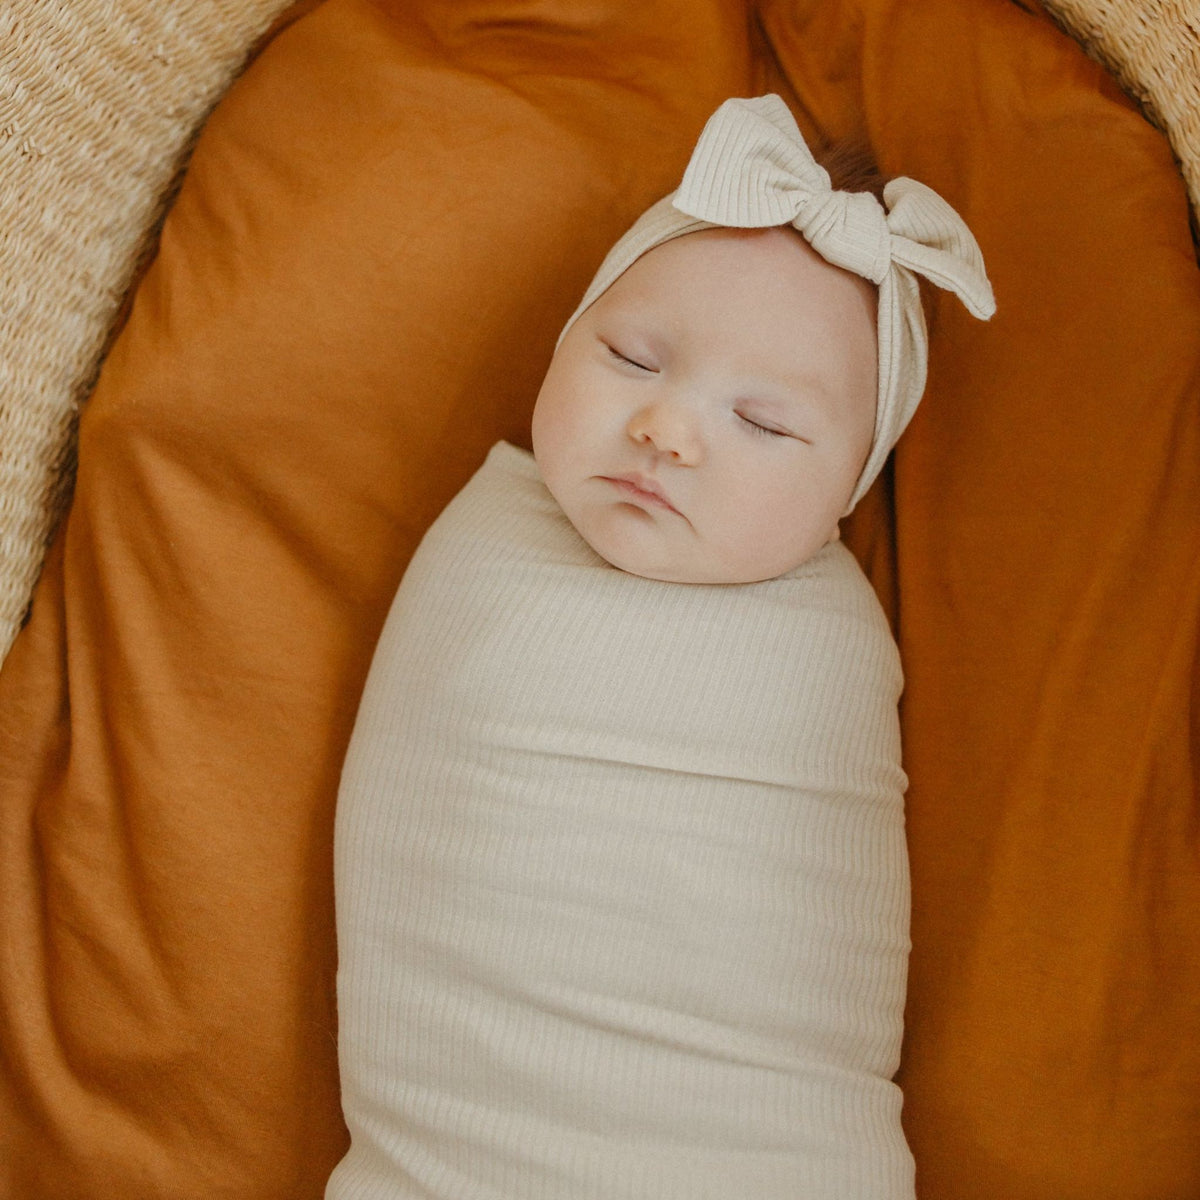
<point>621,877</point>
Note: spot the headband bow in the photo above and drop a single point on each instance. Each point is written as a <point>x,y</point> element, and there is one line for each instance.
<point>751,169</point>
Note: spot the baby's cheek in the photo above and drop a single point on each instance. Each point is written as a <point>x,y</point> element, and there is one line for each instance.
<point>557,406</point>
<point>608,529</point>
<point>553,444</point>
<point>777,530</point>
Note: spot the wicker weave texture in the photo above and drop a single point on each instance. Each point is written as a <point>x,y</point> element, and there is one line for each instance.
<point>99,101</point>
<point>1152,47</point>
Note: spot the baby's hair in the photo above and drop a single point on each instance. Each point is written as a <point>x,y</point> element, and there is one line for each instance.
<point>852,168</point>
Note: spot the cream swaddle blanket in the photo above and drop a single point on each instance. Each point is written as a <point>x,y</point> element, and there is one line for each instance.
<point>621,877</point>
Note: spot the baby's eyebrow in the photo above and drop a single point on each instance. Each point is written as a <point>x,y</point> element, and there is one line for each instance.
<point>630,321</point>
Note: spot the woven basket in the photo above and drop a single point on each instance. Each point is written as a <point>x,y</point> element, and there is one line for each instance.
<point>100,101</point>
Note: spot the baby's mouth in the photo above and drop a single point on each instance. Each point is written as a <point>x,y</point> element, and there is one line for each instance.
<point>639,487</point>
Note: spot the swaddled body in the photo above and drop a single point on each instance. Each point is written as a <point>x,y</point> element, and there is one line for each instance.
<point>622,883</point>
<point>621,874</point>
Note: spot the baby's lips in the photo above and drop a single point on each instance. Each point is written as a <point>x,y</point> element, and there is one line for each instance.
<point>643,488</point>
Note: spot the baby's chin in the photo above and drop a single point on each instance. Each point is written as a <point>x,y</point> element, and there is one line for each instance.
<point>637,543</point>
<point>696,571</point>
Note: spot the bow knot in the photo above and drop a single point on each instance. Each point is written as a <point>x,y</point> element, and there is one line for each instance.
<point>848,229</point>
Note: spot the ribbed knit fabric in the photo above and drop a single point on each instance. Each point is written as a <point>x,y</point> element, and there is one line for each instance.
<point>621,877</point>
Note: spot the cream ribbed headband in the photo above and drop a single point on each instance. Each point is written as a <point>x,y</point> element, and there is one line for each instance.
<point>751,169</point>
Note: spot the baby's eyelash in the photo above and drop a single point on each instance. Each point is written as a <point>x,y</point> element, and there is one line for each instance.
<point>625,358</point>
<point>763,428</point>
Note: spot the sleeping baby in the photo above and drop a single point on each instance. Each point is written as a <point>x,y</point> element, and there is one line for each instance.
<point>622,888</point>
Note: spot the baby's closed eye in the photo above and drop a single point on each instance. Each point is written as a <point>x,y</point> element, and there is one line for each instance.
<point>624,358</point>
<point>766,426</point>
<point>760,426</point>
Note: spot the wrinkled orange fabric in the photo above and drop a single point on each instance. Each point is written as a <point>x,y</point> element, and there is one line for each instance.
<point>357,291</point>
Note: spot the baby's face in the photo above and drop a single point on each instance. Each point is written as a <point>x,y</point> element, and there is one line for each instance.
<point>705,420</point>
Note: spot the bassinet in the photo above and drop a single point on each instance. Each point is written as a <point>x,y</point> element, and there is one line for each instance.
<point>383,225</point>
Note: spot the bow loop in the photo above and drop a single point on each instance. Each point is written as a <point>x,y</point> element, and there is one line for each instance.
<point>752,169</point>
<point>930,238</point>
<point>744,174</point>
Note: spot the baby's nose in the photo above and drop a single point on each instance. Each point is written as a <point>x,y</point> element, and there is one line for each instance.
<point>669,429</point>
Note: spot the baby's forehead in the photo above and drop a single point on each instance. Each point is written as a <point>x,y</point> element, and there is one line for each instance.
<point>718,247</point>
<point>758,265</point>
<point>769,282</point>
